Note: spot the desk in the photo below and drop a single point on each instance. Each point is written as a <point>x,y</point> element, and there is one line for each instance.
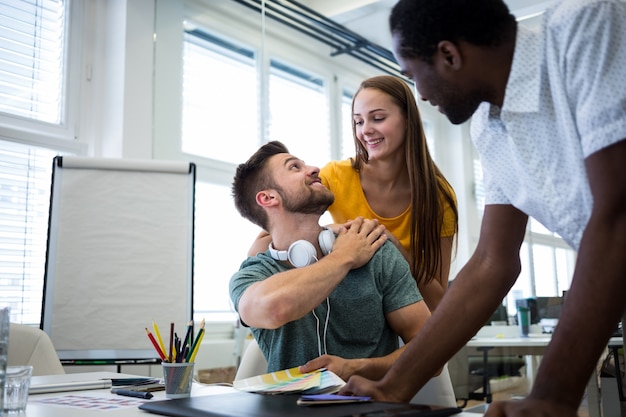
<point>532,347</point>
<point>35,409</point>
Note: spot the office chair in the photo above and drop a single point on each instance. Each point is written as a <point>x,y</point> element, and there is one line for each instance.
<point>31,346</point>
<point>252,363</point>
<point>438,391</point>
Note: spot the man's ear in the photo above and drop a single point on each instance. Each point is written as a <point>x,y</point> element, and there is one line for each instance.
<point>267,198</point>
<point>449,54</point>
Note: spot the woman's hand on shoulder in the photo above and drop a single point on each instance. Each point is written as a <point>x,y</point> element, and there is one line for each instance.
<point>260,244</point>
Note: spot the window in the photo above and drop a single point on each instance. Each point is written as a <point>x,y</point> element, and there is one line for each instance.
<point>221,125</point>
<point>32,41</point>
<point>547,261</point>
<point>222,240</point>
<point>429,132</point>
<point>299,115</point>
<point>32,100</point>
<point>347,135</point>
<point>24,199</point>
<point>220,103</point>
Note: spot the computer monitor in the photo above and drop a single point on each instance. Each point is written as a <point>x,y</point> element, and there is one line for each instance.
<point>542,307</point>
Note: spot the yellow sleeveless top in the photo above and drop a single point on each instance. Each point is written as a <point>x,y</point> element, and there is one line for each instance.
<point>350,202</point>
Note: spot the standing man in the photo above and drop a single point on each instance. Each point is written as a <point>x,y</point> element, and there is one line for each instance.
<point>549,123</point>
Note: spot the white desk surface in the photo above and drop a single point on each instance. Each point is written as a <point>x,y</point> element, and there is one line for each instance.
<point>37,408</point>
<point>533,340</point>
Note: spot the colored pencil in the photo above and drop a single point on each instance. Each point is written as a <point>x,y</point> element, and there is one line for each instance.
<point>191,356</point>
<point>158,335</point>
<point>155,344</point>
<point>185,350</point>
<point>171,358</point>
<point>188,336</point>
<point>196,347</point>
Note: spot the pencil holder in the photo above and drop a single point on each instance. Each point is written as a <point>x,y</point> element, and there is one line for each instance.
<point>177,378</point>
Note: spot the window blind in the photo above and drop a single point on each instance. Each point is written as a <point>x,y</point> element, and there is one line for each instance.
<point>32,58</point>
<point>220,103</point>
<point>299,113</point>
<point>24,199</point>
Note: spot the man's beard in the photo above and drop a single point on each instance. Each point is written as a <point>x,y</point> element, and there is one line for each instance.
<point>459,107</point>
<point>314,202</point>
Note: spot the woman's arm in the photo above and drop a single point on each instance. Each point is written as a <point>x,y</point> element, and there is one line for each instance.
<point>260,244</point>
<point>435,289</point>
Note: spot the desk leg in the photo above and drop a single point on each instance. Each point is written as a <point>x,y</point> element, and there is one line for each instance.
<point>532,365</point>
<point>593,396</point>
<point>458,366</point>
<point>618,367</point>
<point>618,372</point>
<point>486,376</point>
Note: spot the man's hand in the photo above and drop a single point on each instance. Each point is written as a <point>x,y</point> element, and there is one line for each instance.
<point>360,241</point>
<point>344,368</point>
<point>360,386</point>
<point>529,407</point>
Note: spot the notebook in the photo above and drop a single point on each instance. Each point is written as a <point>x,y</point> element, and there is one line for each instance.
<point>42,384</point>
<point>244,404</point>
<point>68,382</point>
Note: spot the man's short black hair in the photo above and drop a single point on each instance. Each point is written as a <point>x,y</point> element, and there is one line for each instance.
<point>422,24</point>
<point>252,177</point>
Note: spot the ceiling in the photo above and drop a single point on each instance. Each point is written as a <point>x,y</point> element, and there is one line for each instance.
<point>361,16</point>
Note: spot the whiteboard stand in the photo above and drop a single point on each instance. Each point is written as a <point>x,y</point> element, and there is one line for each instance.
<point>119,256</point>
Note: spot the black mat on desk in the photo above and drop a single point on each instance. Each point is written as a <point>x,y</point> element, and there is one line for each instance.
<point>243,404</point>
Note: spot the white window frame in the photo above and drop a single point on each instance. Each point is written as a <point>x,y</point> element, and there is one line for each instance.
<point>60,138</point>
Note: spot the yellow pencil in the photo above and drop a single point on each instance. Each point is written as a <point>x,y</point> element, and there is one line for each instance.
<point>158,335</point>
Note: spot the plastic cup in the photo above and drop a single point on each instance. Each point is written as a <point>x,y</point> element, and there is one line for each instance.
<point>5,314</point>
<point>523,319</point>
<point>178,378</point>
<point>16,388</point>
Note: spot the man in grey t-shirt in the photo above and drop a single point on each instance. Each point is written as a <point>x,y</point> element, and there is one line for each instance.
<point>338,301</point>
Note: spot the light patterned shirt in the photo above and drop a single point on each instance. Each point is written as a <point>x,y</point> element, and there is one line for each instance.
<point>565,99</point>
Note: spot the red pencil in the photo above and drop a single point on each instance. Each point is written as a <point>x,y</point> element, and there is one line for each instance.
<point>156,345</point>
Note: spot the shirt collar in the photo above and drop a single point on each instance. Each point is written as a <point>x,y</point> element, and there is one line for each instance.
<point>522,88</point>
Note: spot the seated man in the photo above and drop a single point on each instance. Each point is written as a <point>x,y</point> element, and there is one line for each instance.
<point>343,312</point>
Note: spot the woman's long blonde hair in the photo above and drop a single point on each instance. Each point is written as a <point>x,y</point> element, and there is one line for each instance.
<point>429,188</point>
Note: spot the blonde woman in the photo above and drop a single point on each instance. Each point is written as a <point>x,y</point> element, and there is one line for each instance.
<point>393,179</point>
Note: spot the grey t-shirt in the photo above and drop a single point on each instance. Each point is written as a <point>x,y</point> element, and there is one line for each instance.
<point>353,327</point>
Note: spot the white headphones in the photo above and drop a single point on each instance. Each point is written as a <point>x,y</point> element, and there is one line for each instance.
<point>302,253</point>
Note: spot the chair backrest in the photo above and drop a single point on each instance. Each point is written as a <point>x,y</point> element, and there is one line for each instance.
<point>253,362</point>
<point>437,391</point>
<point>31,346</point>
